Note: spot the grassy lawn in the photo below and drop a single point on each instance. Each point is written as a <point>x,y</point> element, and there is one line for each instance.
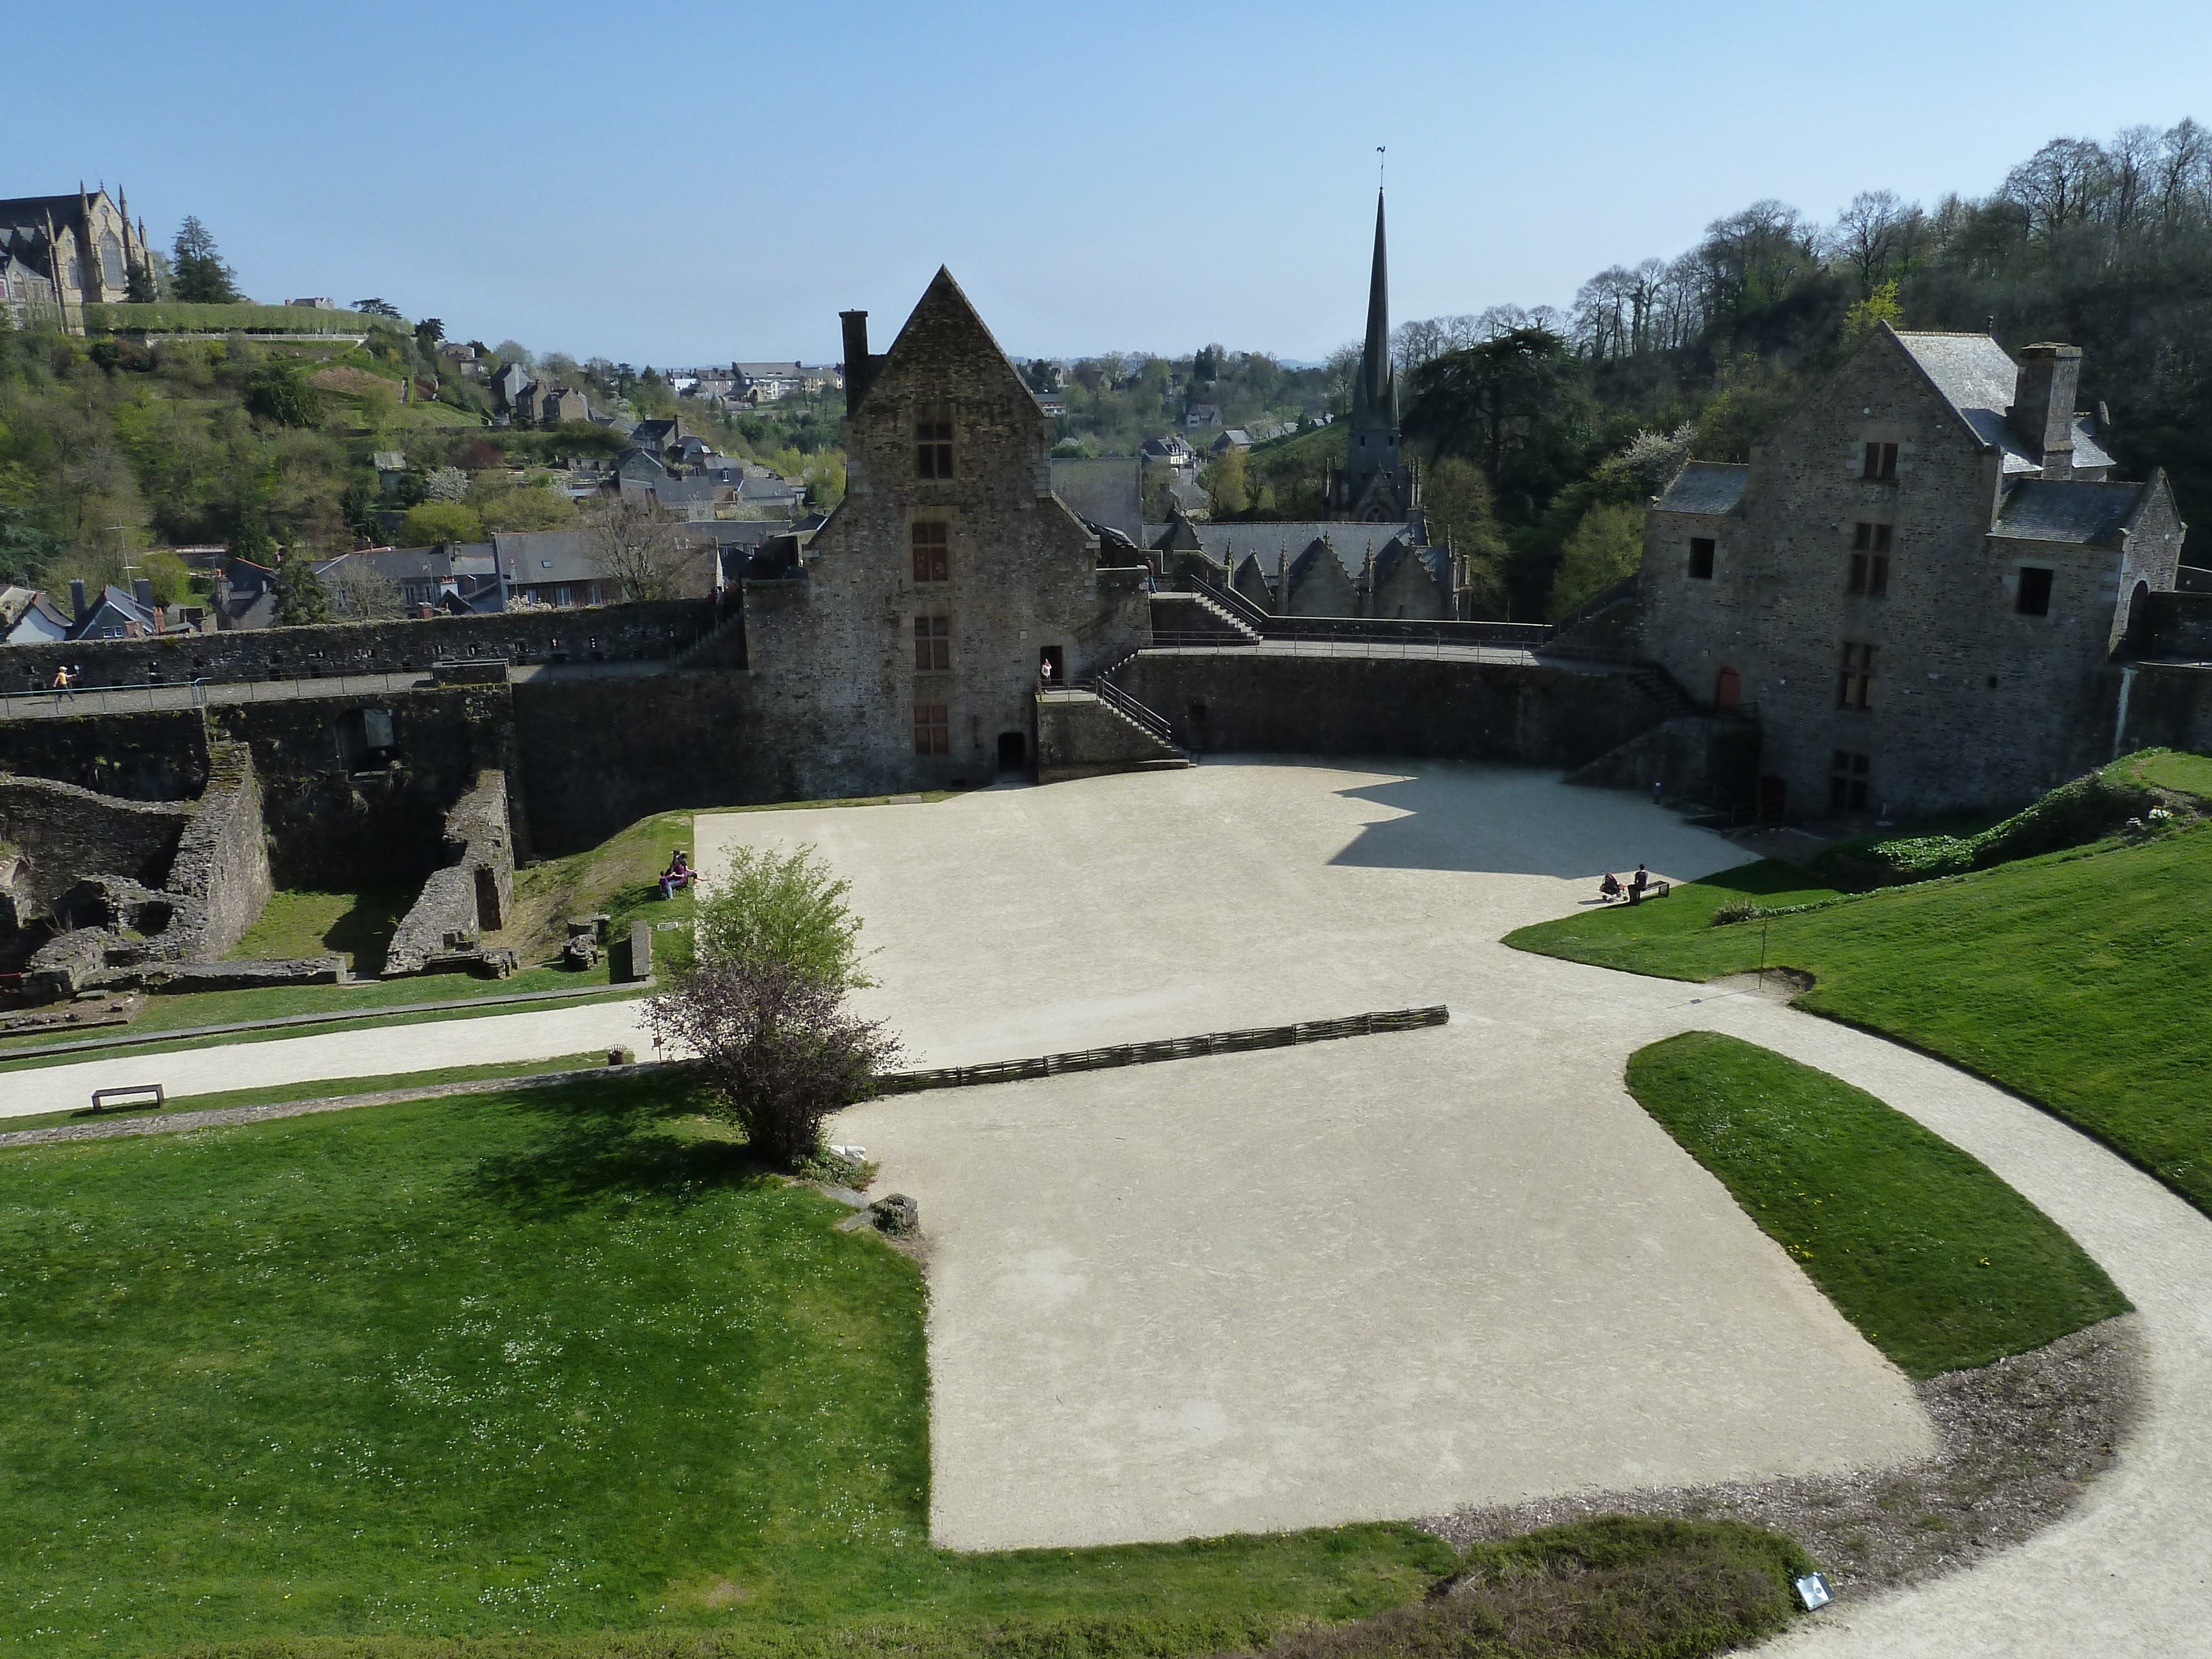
<point>2189,774</point>
<point>557,1362</point>
<point>355,925</point>
<point>1938,1262</point>
<point>2074,979</point>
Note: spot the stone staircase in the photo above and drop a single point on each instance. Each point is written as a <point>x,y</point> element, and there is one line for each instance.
<point>1190,617</point>
<point>1088,732</point>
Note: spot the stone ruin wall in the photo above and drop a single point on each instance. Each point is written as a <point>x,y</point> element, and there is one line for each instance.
<point>473,893</point>
<point>128,884</point>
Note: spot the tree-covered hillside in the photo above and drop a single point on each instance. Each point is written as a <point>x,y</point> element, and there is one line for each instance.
<point>1572,417</point>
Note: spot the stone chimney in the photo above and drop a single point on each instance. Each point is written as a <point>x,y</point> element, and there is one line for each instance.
<point>79,610</point>
<point>857,366</point>
<point>142,590</point>
<point>2042,410</point>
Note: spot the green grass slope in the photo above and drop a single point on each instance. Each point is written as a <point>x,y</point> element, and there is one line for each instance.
<point>1939,1263</point>
<point>2076,979</point>
<point>559,1363</point>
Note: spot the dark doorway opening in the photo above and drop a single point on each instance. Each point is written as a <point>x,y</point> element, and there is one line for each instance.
<point>1772,798</point>
<point>1013,753</point>
<point>1727,692</point>
<point>1051,671</point>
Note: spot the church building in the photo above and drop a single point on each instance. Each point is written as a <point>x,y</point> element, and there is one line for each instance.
<point>82,247</point>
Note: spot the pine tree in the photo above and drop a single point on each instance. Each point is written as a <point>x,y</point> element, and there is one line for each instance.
<point>202,279</point>
<point>300,600</point>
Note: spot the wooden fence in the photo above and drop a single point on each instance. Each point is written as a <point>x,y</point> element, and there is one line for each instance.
<point>1146,1053</point>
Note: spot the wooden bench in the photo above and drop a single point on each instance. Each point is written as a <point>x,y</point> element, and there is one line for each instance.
<point>148,1094</point>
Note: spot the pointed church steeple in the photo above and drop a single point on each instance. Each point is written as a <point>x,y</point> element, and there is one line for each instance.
<point>1377,394</point>
<point>1373,484</point>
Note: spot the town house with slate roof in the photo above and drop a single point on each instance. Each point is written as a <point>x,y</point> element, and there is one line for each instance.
<point>1918,587</point>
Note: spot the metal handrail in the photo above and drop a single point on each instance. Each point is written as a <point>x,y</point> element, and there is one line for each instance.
<point>1230,600</point>
<point>1121,702</point>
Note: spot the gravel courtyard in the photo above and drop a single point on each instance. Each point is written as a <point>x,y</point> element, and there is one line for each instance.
<point>1375,1278</point>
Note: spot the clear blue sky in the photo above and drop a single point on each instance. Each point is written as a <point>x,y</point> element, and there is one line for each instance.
<point>695,183</point>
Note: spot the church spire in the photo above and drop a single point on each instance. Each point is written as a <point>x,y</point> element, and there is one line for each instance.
<point>1377,394</point>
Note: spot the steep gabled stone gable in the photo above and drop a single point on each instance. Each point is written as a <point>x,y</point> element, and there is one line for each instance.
<point>836,644</point>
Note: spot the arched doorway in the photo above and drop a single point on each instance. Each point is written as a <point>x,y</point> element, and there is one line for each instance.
<point>1727,692</point>
<point>2138,618</point>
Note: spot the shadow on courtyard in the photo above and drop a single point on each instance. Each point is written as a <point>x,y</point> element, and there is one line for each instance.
<point>1505,821</point>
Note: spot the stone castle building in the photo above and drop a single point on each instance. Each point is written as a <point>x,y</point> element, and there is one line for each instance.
<point>911,636</point>
<point>84,248</point>
<point>1919,585</point>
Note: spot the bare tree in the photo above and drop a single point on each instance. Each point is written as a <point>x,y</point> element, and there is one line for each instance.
<point>359,591</point>
<point>1874,235</point>
<point>638,550</point>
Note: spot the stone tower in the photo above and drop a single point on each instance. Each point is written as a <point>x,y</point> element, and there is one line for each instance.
<point>1375,485</point>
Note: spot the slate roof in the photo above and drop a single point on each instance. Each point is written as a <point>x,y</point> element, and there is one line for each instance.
<point>1229,544</point>
<point>530,558</point>
<point>1712,488</point>
<point>2051,510</point>
<point>1979,381</point>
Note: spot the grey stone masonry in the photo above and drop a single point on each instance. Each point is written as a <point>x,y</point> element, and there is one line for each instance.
<point>1919,585</point>
<point>473,893</point>
<point>906,642</point>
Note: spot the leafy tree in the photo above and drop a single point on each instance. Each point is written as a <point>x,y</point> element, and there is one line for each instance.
<point>430,332</point>
<point>251,541</point>
<point>24,549</point>
<point>279,391</point>
<point>139,287</point>
<point>171,577</point>
<point>379,308</point>
<point>357,507</point>
<point>448,483</point>
<point>300,600</point>
<point>529,507</point>
<point>1518,404</point>
<point>1606,546</point>
<point>202,279</point>
<point>779,1049</point>
<point>1456,497</point>
<point>442,521</point>
<point>1226,484</point>
<point>782,908</point>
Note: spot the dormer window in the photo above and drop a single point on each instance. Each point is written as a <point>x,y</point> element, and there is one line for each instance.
<point>933,441</point>
<point>1878,461</point>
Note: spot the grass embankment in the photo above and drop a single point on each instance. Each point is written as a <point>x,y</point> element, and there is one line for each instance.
<point>2074,979</point>
<point>540,1367</point>
<point>1938,1262</point>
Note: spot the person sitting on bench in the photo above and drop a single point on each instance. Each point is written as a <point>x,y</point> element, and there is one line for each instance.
<point>1637,884</point>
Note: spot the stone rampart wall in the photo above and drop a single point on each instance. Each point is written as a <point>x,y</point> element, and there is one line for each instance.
<point>1441,707</point>
<point>2178,628</point>
<point>611,633</point>
<point>143,756</point>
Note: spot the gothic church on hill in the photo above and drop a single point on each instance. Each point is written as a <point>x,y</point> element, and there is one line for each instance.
<point>60,253</point>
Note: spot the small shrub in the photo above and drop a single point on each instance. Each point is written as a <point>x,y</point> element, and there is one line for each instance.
<point>779,1049</point>
<point>1736,911</point>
